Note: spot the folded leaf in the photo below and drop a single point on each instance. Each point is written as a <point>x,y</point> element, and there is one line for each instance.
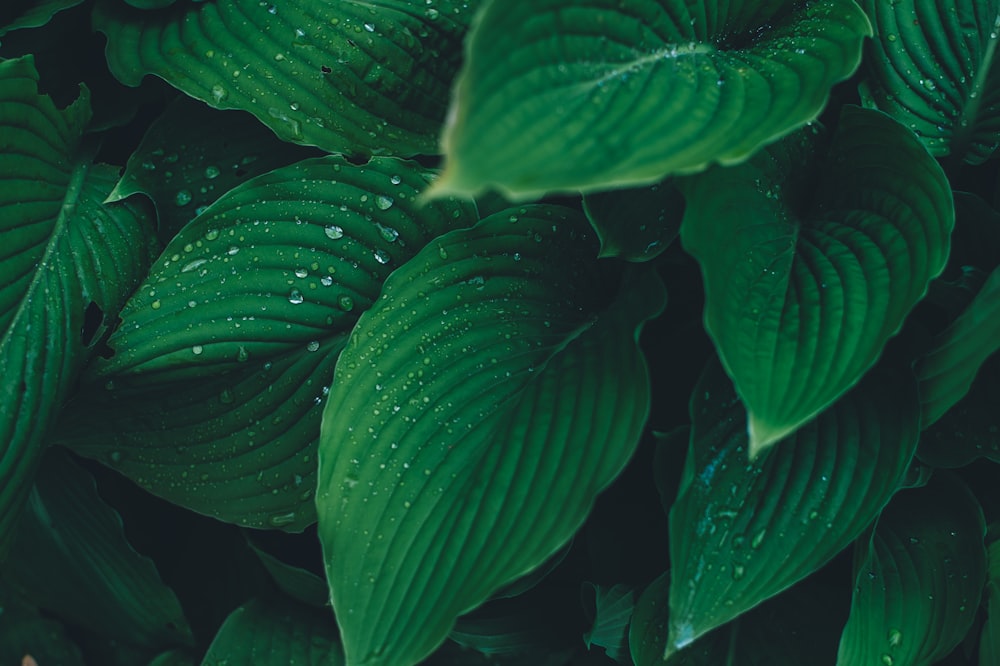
<point>225,352</point>
<point>65,262</point>
<point>933,68</point>
<point>609,608</point>
<point>350,76</point>
<point>491,382</point>
<point>636,224</point>
<point>647,636</point>
<point>569,95</point>
<point>276,633</point>
<point>919,579</point>
<point>37,14</point>
<point>741,532</point>
<point>812,256</point>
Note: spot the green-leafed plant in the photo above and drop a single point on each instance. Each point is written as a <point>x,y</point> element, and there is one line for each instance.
<point>338,332</point>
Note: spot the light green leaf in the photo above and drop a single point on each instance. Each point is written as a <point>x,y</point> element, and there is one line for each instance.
<point>678,85</point>
<point>66,265</point>
<point>609,608</point>
<point>648,633</point>
<point>947,371</point>
<point>635,224</point>
<point>37,14</point>
<point>932,67</point>
<point>351,76</point>
<point>226,351</point>
<point>741,532</point>
<point>920,578</point>
<point>496,378</point>
<point>193,154</point>
<point>71,558</point>
<point>813,253</point>
<point>276,633</point>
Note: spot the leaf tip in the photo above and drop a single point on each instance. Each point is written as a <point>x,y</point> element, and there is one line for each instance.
<point>763,435</point>
<point>679,636</point>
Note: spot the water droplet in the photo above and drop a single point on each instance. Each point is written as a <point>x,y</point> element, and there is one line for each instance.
<point>443,253</point>
<point>370,27</point>
<point>301,273</point>
<point>887,659</point>
<point>183,198</point>
<point>155,304</point>
<point>280,519</point>
<point>895,637</point>
<point>295,297</point>
<point>233,250</point>
<point>219,93</point>
<point>197,349</point>
<point>326,281</point>
<point>345,303</point>
<point>192,265</point>
<point>312,346</point>
<point>211,172</point>
<point>383,202</point>
<point>382,257</point>
<point>388,233</point>
<point>226,396</point>
<point>334,232</point>
<point>757,539</point>
<point>739,571</point>
<point>395,180</point>
<point>116,456</point>
<point>242,355</point>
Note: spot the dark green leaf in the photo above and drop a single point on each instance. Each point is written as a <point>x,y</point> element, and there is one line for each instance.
<point>492,381</point>
<point>812,256</point>
<point>275,633</point>
<point>300,584</point>
<point>989,638</point>
<point>64,257</point>
<point>919,578</point>
<point>569,95</point>
<point>37,14</point>
<point>636,224</point>
<point>24,631</point>
<point>932,67</point>
<point>610,611</point>
<point>648,633</point>
<point>742,531</point>
<point>354,77</point>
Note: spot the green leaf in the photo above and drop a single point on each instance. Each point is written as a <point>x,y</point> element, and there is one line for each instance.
<point>38,14</point>
<point>635,224</point>
<point>989,638</point>
<point>919,579</point>
<point>193,154</point>
<point>492,381</point>
<point>273,633</point>
<point>24,631</point>
<point>71,558</point>
<point>226,351</point>
<point>300,584</point>
<point>741,532</point>
<point>932,68</point>
<point>366,78</point>
<point>66,263</point>
<point>947,371</point>
<point>648,633</point>
<point>609,608</point>
<point>178,657</point>
<point>563,95</point>
<point>812,257</point>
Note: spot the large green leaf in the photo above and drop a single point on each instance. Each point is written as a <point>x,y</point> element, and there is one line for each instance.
<point>568,95</point>
<point>193,154</point>
<point>347,76</point>
<point>812,256</point>
<point>741,532</point>
<point>919,579</point>
<point>71,558</point>
<point>65,262</point>
<point>276,633</point>
<point>492,391</point>
<point>947,371</point>
<point>213,396</point>
<point>932,67</point>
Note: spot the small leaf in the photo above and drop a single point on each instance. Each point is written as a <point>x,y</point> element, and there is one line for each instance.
<point>72,558</point>
<point>25,631</point>
<point>678,85</point>
<point>989,638</point>
<point>635,224</point>
<point>947,371</point>
<point>920,578</point>
<point>362,78</point>
<point>193,154</point>
<point>935,72</point>
<point>610,611</point>
<point>491,381</point>
<point>66,262</point>
<point>37,14</point>
<point>741,532</point>
<point>813,256</point>
<point>276,633</point>
<point>300,584</point>
<point>648,633</point>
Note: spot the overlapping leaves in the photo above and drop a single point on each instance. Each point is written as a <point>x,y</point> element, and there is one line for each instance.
<point>497,377</point>
<point>813,254</point>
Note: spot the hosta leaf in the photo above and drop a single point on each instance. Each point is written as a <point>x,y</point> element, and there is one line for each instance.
<point>276,633</point>
<point>679,85</point>
<point>300,584</point>
<point>812,257</point>
<point>26,632</point>
<point>932,67</point>
<point>65,261</point>
<point>72,559</point>
<point>919,579</point>
<point>37,14</point>
<point>989,638</point>
<point>947,371</point>
<point>610,609</point>
<point>226,350</point>
<point>492,381</point>
<point>635,224</point>
<point>741,532</point>
<point>647,636</point>
<point>347,76</point>
<point>193,154</point>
